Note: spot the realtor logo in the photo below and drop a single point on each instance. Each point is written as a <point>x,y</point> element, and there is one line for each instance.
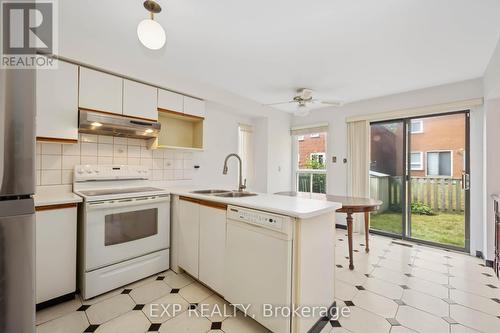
<point>28,32</point>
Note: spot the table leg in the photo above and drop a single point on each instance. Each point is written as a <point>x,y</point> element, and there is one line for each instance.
<point>367,231</point>
<point>349,239</point>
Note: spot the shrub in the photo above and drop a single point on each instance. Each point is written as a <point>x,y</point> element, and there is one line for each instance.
<point>418,208</point>
<point>421,209</point>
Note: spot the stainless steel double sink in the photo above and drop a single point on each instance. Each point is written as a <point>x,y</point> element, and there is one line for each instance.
<point>225,193</point>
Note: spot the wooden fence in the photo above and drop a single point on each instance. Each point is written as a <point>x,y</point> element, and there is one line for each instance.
<point>441,194</point>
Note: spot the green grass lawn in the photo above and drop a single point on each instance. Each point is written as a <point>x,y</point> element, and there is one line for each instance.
<point>445,228</point>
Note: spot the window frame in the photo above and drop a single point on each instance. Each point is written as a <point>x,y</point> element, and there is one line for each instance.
<point>421,130</point>
<point>296,171</point>
<point>439,151</point>
<point>421,168</point>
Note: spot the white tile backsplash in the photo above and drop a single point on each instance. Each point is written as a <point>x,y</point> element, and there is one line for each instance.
<point>105,149</point>
<point>88,149</point>
<point>134,151</point>
<point>88,138</point>
<point>55,162</point>
<point>69,162</point>
<point>51,148</point>
<point>51,162</point>
<point>51,177</point>
<point>105,139</point>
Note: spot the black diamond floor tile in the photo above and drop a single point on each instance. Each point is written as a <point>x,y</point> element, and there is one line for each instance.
<point>404,286</point>
<point>492,286</point>
<point>193,306</point>
<point>154,328</point>
<point>216,325</point>
<point>335,323</point>
<point>160,278</point>
<point>174,291</point>
<point>360,287</point>
<point>349,303</point>
<point>126,291</point>
<point>83,308</point>
<point>339,266</point>
<point>138,307</point>
<point>91,328</point>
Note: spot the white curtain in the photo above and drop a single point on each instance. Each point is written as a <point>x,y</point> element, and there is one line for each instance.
<point>358,162</point>
<point>245,150</point>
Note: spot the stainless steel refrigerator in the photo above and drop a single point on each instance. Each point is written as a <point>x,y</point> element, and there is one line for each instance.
<point>17,213</point>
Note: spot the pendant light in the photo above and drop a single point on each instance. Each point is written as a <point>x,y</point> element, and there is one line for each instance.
<point>151,33</point>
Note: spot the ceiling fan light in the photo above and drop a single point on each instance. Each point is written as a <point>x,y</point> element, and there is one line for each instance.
<point>302,111</point>
<point>151,34</point>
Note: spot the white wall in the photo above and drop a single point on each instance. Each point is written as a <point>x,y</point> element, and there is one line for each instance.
<point>273,153</point>
<point>492,76</point>
<point>279,153</point>
<point>337,137</point>
<point>220,138</point>
<point>491,156</point>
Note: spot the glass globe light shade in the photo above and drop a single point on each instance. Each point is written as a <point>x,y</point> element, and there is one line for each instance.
<point>151,34</point>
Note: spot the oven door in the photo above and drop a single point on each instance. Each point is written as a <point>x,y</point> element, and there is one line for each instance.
<point>118,230</point>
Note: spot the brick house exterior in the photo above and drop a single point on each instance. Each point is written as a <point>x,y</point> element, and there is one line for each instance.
<point>443,133</point>
<point>434,141</point>
<point>310,144</point>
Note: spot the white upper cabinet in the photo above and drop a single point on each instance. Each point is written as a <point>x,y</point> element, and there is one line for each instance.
<point>194,107</point>
<point>140,100</point>
<point>57,102</point>
<point>171,101</point>
<point>100,91</point>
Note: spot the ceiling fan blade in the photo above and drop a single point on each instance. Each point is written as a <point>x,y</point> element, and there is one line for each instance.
<point>330,102</point>
<point>333,102</point>
<point>280,103</point>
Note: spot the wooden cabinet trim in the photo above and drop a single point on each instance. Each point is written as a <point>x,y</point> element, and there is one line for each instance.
<point>180,114</point>
<point>117,114</point>
<point>56,206</point>
<point>60,140</point>
<point>212,204</point>
<point>193,200</point>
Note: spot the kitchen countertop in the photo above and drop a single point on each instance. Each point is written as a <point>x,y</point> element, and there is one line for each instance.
<point>55,195</point>
<point>290,206</point>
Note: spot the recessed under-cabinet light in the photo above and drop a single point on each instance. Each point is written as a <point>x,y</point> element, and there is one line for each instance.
<point>96,124</point>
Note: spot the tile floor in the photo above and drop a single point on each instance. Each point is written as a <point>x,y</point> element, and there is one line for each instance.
<point>394,288</point>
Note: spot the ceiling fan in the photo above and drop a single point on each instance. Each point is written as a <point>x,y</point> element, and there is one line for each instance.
<point>304,99</point>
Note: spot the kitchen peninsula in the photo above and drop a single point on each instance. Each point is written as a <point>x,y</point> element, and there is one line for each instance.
<point>258,249</point>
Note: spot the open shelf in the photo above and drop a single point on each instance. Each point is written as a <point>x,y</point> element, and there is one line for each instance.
<point>180,131</point>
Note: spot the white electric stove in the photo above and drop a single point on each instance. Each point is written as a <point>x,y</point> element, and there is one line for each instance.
<point>123,227</point>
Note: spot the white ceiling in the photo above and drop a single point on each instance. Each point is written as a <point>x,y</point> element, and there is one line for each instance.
<point>264,50</point>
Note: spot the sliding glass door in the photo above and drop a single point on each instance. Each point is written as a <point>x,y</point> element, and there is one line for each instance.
<point>420,170</point>
<point>387,175</point>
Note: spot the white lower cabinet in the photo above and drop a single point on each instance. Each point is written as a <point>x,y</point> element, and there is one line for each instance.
<point>55,251</point>
<point>189,236</point>
<point>202,241</point>
<point>212,246</point>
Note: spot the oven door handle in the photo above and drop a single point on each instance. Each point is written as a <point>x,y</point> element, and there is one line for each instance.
<point>126,202</point>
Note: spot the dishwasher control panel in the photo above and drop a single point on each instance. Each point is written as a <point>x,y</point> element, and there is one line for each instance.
<point>256,217</point>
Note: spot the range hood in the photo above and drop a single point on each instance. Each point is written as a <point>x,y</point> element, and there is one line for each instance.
<point>94,122</point>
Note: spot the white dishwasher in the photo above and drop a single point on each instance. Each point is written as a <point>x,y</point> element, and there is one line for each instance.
<point>259,263</point>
